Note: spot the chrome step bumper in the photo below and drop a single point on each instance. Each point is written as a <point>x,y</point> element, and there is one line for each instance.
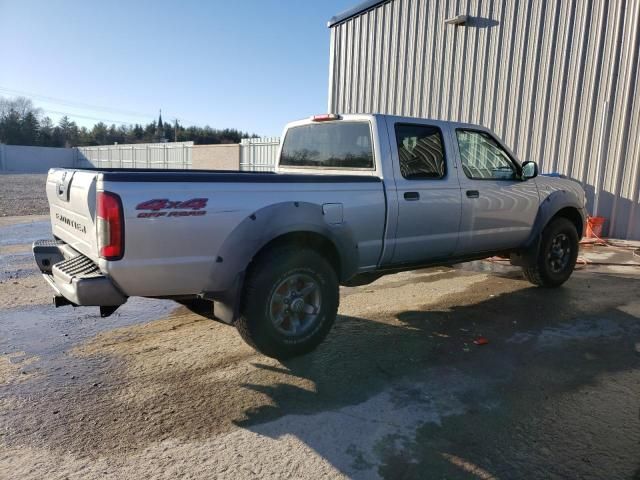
<point>75,277</point>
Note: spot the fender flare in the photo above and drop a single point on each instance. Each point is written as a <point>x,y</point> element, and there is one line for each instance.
<point>259,229</point>
<point>549,207</point>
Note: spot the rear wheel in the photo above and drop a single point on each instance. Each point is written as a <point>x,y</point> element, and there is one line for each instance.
<point>557,255</point>
<point>290,302</point>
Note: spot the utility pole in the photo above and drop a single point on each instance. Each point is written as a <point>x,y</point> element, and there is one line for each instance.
<point>175,132</point>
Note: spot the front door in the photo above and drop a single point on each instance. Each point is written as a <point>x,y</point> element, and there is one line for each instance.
<point>498,209</point>
<point>428,194</point>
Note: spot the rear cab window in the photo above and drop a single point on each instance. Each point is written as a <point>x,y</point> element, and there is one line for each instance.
<point>332,145</point>
<point>420,151</point>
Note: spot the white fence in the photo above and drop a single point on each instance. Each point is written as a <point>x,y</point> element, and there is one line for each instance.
<point>259,154</point>
<point>141,155</point>
<point>254,155</point>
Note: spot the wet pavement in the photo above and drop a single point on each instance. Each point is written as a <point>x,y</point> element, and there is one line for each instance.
<point>398,390</point>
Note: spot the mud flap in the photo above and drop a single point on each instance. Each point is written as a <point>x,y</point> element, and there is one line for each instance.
<point>528,256</point>
<point>108,310</point>
<point>226,305</point>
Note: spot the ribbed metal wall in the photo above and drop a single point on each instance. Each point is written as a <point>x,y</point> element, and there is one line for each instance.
<point>558,80</point>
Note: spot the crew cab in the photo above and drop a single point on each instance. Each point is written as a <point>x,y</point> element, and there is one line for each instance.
<point>353,197</point>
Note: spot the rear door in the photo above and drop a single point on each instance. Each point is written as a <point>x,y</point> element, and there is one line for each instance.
<point>498,209</point>
<point>72,198</point>
<point>428,192</point>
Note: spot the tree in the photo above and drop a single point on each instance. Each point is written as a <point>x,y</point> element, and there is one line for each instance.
<point>112,135</point>
<point>29,129</point>
<point>45,133</point>
<point>124,133</point>
<point>18,121</point>
<point>10,132</point>
<point>69,131</point>
<point>149,132</point>
<point>100,133</point>
<point>23,124</point>
<point>84,137</point>
<point>20,105</point>
<point>168,132</point>
<point>137,133</point>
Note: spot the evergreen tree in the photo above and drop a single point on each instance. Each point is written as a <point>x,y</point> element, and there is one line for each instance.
<point>29,129</point>
<point>149,132</point>
<point>69,132</point>
<point>137,133</point>
<point>112,135</point>
<point>45,132</point>
<point>99,133</point>
<point>10,131</point>
<point>23,124</point>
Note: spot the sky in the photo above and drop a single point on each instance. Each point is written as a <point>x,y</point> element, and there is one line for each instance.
<point>253,65</point>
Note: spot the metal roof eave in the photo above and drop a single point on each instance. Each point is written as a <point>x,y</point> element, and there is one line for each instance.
<point>352,12</point>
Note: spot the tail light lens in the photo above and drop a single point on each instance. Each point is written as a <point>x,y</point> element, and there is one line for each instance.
<point>110,226</point>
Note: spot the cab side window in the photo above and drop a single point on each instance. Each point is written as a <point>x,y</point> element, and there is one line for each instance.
<point>421,152</point>
<point>482,157</point>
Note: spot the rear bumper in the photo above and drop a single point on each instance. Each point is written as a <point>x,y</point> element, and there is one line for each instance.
<point>75,277</point>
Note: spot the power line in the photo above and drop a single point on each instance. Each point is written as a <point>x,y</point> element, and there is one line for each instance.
<point>71,103</point>
<point>77,115</point>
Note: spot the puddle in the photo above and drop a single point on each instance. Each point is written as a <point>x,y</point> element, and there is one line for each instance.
<point>46,330</point>
<point>25,232</point>
<point>497,267</point>
<point>583,329</point>
<point>36,340</point>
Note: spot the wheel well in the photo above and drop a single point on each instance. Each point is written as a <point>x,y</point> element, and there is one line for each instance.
<point>313,240</point>
<point>573,216</point>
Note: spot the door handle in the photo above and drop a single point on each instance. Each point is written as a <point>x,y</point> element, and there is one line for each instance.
<point>411,196</point>
<point>473,193</point>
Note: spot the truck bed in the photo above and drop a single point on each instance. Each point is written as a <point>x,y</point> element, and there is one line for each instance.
<point>181,226</point>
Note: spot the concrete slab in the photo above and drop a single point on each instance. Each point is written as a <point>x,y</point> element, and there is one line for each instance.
<point>398,390</point>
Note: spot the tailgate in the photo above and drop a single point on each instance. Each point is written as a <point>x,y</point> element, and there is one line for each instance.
<point>72,201</point>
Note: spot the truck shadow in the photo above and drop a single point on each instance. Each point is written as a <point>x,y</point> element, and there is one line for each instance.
<point>544,346</point>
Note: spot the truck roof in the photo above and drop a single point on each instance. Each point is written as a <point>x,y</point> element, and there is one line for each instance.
<point>442,124</point>
<point>399,118</point>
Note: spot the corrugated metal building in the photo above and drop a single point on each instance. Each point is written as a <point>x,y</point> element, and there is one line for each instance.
<point>558,80</point>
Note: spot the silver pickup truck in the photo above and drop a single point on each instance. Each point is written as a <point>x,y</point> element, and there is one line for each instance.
<point>354,197</point>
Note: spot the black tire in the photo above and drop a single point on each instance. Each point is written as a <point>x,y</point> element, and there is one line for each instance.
<point>263,302</point>
<point>551,268</point>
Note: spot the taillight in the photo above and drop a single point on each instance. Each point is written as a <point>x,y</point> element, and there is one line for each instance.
<point>110,223</point>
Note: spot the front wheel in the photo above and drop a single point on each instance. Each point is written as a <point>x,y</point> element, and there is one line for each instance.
<point>557,255</point>
<point>290,302</point>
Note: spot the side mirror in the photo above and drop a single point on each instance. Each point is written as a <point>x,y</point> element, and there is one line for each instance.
<point>529,170</point>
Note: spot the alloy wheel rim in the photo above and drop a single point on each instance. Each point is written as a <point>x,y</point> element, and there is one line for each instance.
<point>295,304</point>
<point>559,253</point>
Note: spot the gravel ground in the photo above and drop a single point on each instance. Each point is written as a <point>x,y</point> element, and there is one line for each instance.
<point>23,194</point>
<point>398,389</point>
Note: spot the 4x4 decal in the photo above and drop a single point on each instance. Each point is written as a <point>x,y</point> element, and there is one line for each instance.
<point>163,207</point>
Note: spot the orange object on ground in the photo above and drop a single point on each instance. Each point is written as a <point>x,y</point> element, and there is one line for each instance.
<point>481,341</point>
<point>594,227</point>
